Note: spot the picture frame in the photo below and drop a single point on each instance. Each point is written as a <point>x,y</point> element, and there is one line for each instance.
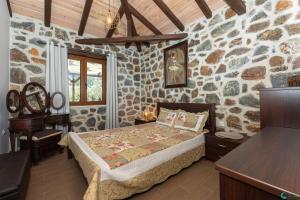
<point>175,65</point>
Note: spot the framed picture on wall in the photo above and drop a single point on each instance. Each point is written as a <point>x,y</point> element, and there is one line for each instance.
<point>176,62</point>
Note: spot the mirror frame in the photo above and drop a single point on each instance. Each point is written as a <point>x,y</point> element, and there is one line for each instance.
<point>7,101</point>
<point>63,100</point>
<point>27,105</point>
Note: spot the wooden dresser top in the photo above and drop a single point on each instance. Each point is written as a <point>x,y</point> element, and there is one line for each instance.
<point>269,161</point>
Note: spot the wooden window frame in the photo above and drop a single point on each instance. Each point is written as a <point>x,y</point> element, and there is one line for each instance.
<point>83,80</point>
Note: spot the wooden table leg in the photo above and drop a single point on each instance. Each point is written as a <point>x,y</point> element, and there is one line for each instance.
<point>12,137</point>
<point>34,156</point>
<point>69,126</point>
<point>29,140</point>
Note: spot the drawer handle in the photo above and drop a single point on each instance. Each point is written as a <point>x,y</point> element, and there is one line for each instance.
<point>221,145</point>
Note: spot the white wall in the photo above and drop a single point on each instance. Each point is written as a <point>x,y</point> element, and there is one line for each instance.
<point>4,74</point>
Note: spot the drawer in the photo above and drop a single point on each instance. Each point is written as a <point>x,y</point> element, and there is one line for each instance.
<point>220,144</point>
<point>213,155</point>
<point>220,147</point>
<point>219,150</point>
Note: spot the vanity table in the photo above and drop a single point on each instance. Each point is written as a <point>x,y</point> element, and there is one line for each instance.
<point>34,118</point>
<point>58,119</point>
<point>27,125</point>
<point>24,126</point>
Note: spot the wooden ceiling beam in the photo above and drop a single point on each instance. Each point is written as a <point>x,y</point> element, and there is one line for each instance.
<point>204,7</point>
<point>131,30</point>
<point>85,16</point>
<point>147,44</point>
<point>47,14</point>
<point>142,19</point>
<point>130,24</point>
<point>137,44</point>
<point>122,40</point>
<point>169,14</point>
<point>238,6</point>
<point>9,7</point>
<point>112,30</point>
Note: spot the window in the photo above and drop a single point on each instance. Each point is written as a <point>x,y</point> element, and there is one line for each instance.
<point>87,80</point>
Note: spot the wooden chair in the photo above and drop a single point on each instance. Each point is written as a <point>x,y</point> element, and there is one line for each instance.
<point>294,81</point>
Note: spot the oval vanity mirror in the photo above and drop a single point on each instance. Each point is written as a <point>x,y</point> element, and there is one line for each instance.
<point>58,101</point>
<point>35,97</point>
<point>13,101</point>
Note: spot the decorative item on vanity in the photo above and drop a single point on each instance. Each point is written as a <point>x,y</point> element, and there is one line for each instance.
<point>35,98</point>
<point>13,101</point>
<point>31,122</point>
<point>176,61</point>
<point>57,101</point>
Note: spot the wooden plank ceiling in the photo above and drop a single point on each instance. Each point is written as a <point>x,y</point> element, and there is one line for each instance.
<point>70,14</point>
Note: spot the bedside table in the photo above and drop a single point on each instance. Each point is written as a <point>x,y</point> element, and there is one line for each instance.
<point>216,147</point>
<point>143,121</point>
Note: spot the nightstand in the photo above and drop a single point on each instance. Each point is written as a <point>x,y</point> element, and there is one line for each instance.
<point>143,121</point>
<point>216,147</point>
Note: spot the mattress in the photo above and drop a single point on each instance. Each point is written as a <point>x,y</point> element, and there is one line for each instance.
<point>137,175</point>
<point>141,165</point>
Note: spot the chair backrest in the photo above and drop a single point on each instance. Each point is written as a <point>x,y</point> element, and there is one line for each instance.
<point>294,81</point>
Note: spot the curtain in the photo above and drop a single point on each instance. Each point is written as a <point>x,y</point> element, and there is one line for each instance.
<point>112,117</point>
<point>57,73</point>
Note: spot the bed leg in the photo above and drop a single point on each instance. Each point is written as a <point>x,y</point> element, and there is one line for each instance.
<point>70,154</point>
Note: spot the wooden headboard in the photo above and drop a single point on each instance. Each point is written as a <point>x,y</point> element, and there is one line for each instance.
<point>194,108</point>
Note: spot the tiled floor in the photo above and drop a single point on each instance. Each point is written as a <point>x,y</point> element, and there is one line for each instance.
<point>58,178</point>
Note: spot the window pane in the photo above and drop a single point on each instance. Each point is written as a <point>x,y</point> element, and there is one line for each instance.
<point>74,80</point>
<point>94,81</point>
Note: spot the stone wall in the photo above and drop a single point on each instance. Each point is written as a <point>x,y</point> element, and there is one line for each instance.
<point>28,45</point>
<point>230,58</point>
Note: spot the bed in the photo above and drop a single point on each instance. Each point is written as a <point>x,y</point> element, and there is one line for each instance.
<point>118,163</point>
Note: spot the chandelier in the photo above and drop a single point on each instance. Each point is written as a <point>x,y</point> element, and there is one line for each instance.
<point>112,16</point>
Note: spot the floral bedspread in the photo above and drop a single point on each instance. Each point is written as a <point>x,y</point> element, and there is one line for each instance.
<point>118,147</point>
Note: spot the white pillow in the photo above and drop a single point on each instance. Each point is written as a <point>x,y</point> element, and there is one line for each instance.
<point>191,121</point>
<point>166,117</point>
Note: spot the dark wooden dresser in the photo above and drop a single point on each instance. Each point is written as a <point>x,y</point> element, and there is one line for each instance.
<point>280,107</point>
<point>216,148</point>
<point>267,166</point>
